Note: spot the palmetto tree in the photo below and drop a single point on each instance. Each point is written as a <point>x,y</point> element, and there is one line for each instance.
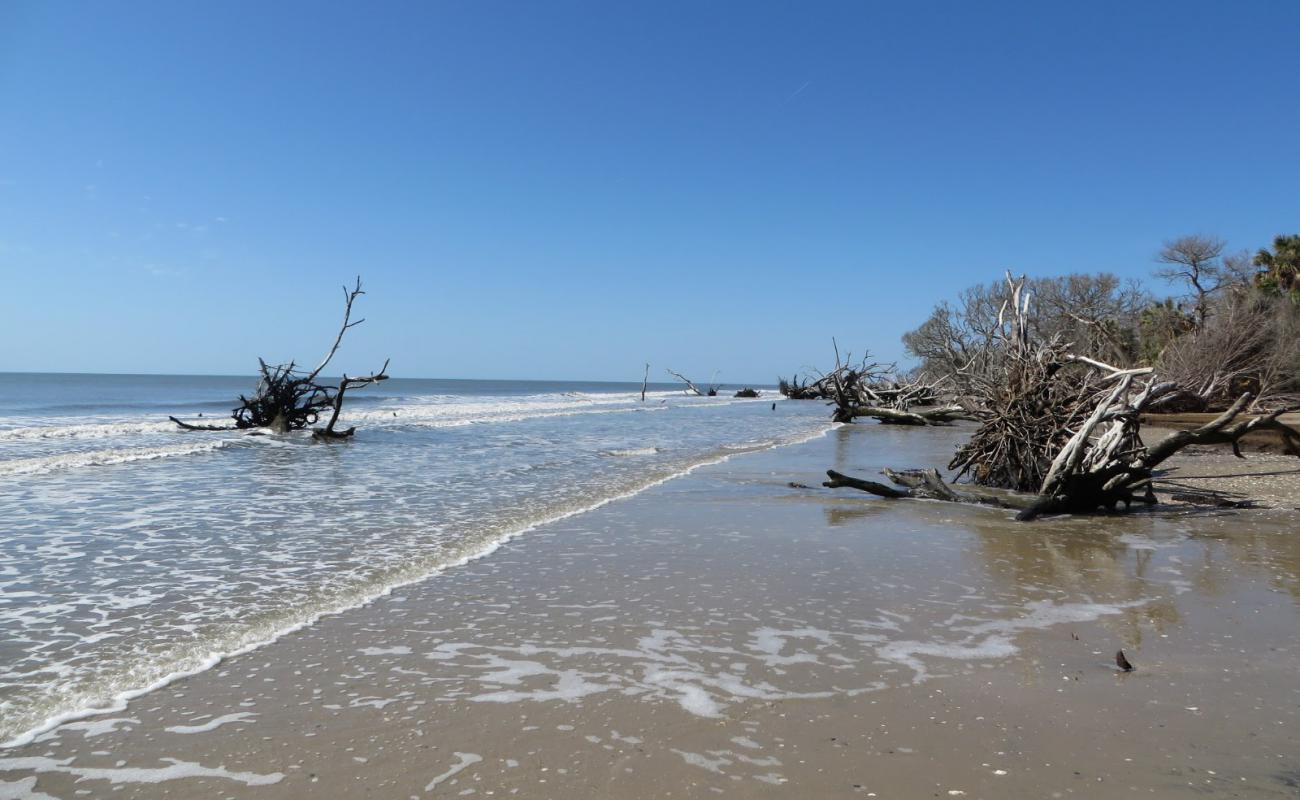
<point>1280,268</point>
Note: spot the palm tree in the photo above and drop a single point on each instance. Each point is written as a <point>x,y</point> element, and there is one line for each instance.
<point>1280,268</point>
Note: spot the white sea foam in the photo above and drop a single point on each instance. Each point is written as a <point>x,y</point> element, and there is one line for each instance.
<point>998,634</point>
<point>118,775</point>
<point>463,760</point>
<point>634,451</point>
<point>213,724</point>
<point>396,650</point>
<point>84,430</point>
<point>22,789</point>
<point>102,458</point>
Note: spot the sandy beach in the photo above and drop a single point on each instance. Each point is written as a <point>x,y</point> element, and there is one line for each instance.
<point>727,633</point>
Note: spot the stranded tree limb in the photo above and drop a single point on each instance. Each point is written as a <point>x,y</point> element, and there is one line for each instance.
<point>287,398</point>
<point>690,387</point>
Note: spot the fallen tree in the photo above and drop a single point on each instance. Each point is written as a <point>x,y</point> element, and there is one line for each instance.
<point>288,399</point>
<point>871,389</point>
<point>1088,474</point>
<point>809,388</point>
<point>938,415</point>
<point>1060,433</point>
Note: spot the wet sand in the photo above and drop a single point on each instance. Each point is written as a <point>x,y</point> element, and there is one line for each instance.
<point>727,633</point>
<point>1264,477</point>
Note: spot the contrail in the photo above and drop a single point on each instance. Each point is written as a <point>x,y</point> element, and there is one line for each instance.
<point>806,84</point>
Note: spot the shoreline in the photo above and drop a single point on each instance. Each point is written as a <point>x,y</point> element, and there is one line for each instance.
<point>121,700</point>
<point>726,607</point>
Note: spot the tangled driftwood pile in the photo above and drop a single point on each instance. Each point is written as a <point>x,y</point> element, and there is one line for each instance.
<point>1062,432</point>
<point>871,389</point>
<point>288,399</point>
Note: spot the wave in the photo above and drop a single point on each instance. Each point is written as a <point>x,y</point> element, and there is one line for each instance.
<point>92,430</point>
<point>433,411</point>
<point>102,458</point>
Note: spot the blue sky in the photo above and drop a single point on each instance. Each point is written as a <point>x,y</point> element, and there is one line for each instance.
<point>567,190</point>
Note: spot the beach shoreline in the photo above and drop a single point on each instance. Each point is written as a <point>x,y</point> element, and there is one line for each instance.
<point>727,632</point>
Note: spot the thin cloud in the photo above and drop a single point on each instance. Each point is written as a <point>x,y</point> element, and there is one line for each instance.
<point>797,92</point>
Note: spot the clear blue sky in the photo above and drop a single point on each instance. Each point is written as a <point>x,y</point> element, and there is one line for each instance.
<point>566,190</point>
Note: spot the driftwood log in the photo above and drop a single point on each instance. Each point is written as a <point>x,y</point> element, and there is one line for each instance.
<point>938,415</point>
<point>928,485</point>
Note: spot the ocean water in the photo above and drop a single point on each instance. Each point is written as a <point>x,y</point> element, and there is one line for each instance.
<point>132,553</point>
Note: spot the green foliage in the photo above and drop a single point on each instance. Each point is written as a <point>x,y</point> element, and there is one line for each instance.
<point>1280,268</point>
<point>1159,324</point>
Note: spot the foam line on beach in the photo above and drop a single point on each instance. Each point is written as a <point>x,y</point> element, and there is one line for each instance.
<point>85,430</point>
<point>187,663</point>
<point>174,771</point>
<point>102,458</point>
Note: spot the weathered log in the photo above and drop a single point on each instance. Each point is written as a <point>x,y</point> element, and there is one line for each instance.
<point>942,415</point>
<point>838,479</point>
<point>928,485</point>
<point>188,426</point>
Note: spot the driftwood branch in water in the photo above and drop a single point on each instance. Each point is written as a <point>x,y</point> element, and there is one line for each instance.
<point>188,426</point>
<point>644,380</point>
<point>690,387</point>
<point>328,431</point>
<point>349,297</point>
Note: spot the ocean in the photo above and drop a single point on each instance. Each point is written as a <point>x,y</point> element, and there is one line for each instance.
<point>133,553</point>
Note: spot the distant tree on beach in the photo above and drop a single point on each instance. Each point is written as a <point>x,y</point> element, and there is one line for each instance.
<point>1195,260</point>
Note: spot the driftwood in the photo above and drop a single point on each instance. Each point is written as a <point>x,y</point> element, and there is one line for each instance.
<point>808,389</point>
<point>928,485</point>
<point>747,392</point>
<point>1063,430</point>
<point>690,387</point>
<point>287,398</point>
<point>1083,484</point>
<point>346,383</point>
<point>938,415</point>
